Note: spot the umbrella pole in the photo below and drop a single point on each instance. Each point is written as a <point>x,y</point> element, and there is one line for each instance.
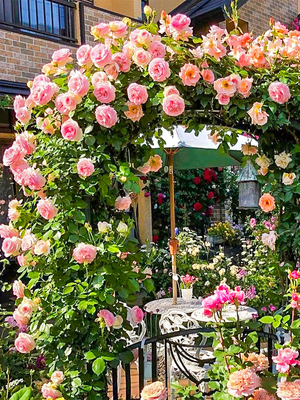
<point>173,241</point>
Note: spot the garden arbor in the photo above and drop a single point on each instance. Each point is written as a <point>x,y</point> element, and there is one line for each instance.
<point>78,136</point>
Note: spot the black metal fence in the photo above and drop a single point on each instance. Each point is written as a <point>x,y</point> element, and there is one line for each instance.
<point>47,18</point>
<point>169,350</point>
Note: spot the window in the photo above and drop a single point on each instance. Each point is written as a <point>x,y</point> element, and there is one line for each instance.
<point>143,4</point>
<point>51,18</point>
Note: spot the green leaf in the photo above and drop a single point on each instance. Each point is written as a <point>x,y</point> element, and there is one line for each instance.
<point>90,140</point>
<point>79,216</point>
<point>267,320</point>
<point>68,290</point>
<point>89,129</point>
<point>73,238</point>
<point>149,285</point>
<point>98,366</point>
<point>22,394</point>
<point>89,355</point>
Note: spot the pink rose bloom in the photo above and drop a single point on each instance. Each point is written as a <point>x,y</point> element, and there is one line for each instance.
<point>253,223</point>
<point>105,92</point>
<point>285,359</point>
<point>173,105</point>
<point>27,142</point>
<point>19,102</point>
<point>24,343</point>
<point>245,87</point>
<point>7,231</point>
<point>47,209</point>
<point>225,86</point>
<point>157,50</point>
<point>101,30</point>
<point>189,74</point>
<point>28,241</point>
<point>145,169</point>
<point>101,55</point>
<point>208,75</point>
<point>159,70</point>
<point>258,117</point>
<point>122,203</point>
<point>85,167</point>
<point>137,94</point>
<point>136,315</point>
<point>262,394</point>
<point>269,239</point>
<point>141,57</point>
<point>279,92</point>
<point>223,99</point>
<point>99,77</point>
<point>78,84</point>
<point>294,274</point>
<point>180,22</point>
<point>144,37</point>
<point>57,377</point>
<point>289,390</point>
<point>13,214</point>
<point>281,28</point>
<point>133,37</point>
<point>154,391</point>
<point>43,92</point>
<point>23,115</point>
<point>106,116</point>
<point>243,382</point>
<point>18,289</point>
<point>84,253</point>
<point>211,304</point>
<point>13,155</point>
<point>83,55</point>
<point>61,57</point>
<point>70,130</point>
<point>123,61</point>
<point>40,79</point>
<point>33,179</point>
<point>21,260</point>
<point>48,392</point>
<point>11,246</point>
<point>108,317</point>
<point>112,70</point>
<point>65,102</point>
<point>236,295</point>
<point>155,163</point>
<point>168,90</point>
<point>42,247</point>
<point>118,28</point>
<point>21,318</point>
<point>135,113</point>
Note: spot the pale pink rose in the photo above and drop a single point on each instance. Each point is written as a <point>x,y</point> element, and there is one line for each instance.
<point>208,75</point>
<point>11,246</point>
<point>213,47</point>
<point>144,37</point>
<point>159,70</point>
<point>128,49</point>
<point>279,92</point>
<point>19,167</point>
<point>123,61</point>
<point>27,142</point>
<point>145,169</point>
<point>118,28</point>
<point>40,79</point>
<point>43,92</point>
<point>173,105</point>
<point>136,315</point>
<point>24,343</point>
<point>245,87</point>
<point>85,167</point>
<point>7,231</point>
<point>21,260</point>
<point>141,57</point>
<point>57,377</point>
<point>99,77</point>
<point>122,203</point>
<point>154,391</point>
<point>112,70</point>
<point>289,390</point>
<point>157,50</point>
<point>45,125</point>
<point>65,102</point>
<point>20,318</point>
<point>61,57</point>
<point>101,30</point>
<point>23,115</point>
<point>33,179</point>
<point>42,247</point>
<point>243,382</point>
<point>84,253</point>
<point>13,155</point>
<point>180,22</point>
<point>133,37</point>
<point>28,241</point>
<point>260,361</point>
<point>262,394</point>
<point>269,239</point>
<point>285,359</point>
<point>105,92</point>
<point>27,307</point>
<point>13,214</point>
<point>225,86</point>
<point>101,55</point>
<point>189,74</point>
<point>135,113</point>
<point>258,117</point>
<point>83,55</point>
<point>29,103</point>
<point>47,209</point>
<point>106,116</point>
<point>168,90</point>
<point>108,317</point>
<point>223,99</point>
<point>155,163</point>
<point>19,102</point>
<point>70,130</point>
<point>18,289</point>
<point>78,84</point>
<point>137,94</point>
<point>49,392</point>
<point>235,79</point>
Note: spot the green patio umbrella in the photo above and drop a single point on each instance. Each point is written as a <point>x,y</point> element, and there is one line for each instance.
<point>184,150</point>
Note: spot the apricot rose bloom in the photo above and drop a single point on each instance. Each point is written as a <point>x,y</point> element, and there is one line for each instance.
<point>24,343</point>
<point>243,382</point>
<point>49,392</point>
<point>122,203</point>
<point>155,163</point>
<point>289,390</point>
<point>288,178</point>
<point>260,361</point>
<point>189,74</point>
<point>258,117</point>
<point>135,113</point>
<point>249,150</point>
<point>57,377</point>
<point>154,391</point>
<point>262,394</point>
<point>282,160</point>
<point>47,209</point>
<point>267,202</point>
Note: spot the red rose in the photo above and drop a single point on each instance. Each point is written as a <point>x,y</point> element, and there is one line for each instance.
<point>197,180</point>
<point>209,211</point>
<point>210,195</point>
<point>160,198</point>
<point>155,238</point>
<point>213,176</point>
<point>207,175</point>
<point>147,194</point>
<point>197,206</point>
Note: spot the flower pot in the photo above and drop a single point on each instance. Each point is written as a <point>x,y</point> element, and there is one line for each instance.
<point>187,294</point>
<point>213,240</point>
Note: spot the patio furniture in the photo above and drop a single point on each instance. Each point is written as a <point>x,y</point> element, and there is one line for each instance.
<point>245,313</point>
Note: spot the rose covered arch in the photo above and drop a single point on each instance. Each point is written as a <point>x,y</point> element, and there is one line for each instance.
<point>78,136</point>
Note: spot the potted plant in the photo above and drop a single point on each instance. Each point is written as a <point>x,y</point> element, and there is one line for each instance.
<point>186,286</point>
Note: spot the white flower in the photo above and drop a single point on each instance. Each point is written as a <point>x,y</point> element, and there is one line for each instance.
<point>269,239</point>
<point>104,227</point>
<point>207,283</point>
<point>263,161</point>
<point>122,228</point>
<point>283,159</point>
<point>288,178</point>
<point>222,271</point>
<point>147,271</point>
<point>233,270</point>
<point>118,322</point>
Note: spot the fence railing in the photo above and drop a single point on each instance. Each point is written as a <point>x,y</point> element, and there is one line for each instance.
<point>48,18</point>
<point>164,356</point>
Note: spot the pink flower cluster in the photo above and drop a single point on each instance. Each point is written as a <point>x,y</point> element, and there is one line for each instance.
<point>222,295</point>
<point>177,26</point>
<point>285,359</point>
<point>188,280</point>
<point>135,316</point>
<point>227,87</point>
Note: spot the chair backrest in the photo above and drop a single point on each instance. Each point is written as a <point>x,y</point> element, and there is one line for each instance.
<point>176,320</point>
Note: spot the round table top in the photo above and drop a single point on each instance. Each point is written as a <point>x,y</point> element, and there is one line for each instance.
<point>245,313</point>
<point>164,305</point>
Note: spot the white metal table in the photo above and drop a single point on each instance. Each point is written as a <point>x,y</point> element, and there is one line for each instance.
<point>164,305</point>
<point>245,313</point>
